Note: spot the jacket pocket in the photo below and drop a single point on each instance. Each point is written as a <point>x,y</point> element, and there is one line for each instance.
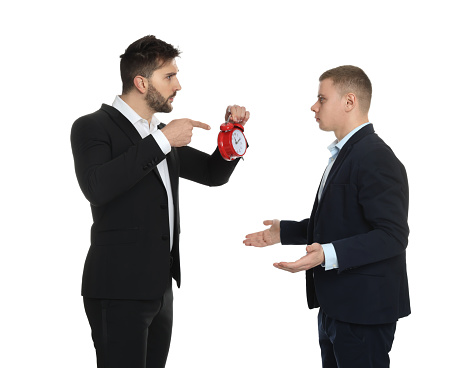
<point>360,272</point>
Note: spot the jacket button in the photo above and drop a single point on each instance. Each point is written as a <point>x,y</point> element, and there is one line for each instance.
<point>165,237</point>
<point>164,206</point>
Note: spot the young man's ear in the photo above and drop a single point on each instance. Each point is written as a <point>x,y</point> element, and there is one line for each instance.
<point>350,101</point>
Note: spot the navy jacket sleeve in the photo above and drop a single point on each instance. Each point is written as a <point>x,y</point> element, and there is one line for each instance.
<point>294,232</point>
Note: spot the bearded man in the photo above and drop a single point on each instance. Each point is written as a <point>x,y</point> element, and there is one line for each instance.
<point>128,166</point>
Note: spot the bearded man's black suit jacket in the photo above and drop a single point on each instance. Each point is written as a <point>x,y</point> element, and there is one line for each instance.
<point>129,256</point>
<point>363,211</point>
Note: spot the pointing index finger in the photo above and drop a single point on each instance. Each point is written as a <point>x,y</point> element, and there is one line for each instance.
<point>199,124</point>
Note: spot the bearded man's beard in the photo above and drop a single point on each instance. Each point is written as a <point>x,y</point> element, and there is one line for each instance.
<point>156,101</point>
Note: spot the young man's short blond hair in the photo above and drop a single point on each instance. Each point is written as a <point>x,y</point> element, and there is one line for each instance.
<point>351,79</point>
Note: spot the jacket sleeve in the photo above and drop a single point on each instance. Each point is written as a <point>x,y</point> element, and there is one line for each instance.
<point>198,166</point>
<point>383,197</point>
<point>101,176</point>
<point>293,232</point>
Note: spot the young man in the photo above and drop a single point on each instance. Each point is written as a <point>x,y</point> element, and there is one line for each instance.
<point>357,232</point>
<point>128,166</point>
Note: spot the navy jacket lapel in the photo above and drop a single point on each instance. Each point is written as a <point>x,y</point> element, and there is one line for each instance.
<point>345,151</point>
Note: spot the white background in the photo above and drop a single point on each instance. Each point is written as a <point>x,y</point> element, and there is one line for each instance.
<point>60,60</point>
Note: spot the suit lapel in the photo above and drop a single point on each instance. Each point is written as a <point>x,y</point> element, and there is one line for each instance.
<point>344,152</point>
<point>172,167</point>
<point>123,123</point>
<point>171,160</point>
<point>127,127</point>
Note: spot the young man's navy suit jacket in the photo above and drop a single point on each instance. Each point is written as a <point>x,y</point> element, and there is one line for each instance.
<point>363,211</point>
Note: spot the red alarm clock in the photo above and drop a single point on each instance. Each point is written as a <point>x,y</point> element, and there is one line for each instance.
<point>231,141</point>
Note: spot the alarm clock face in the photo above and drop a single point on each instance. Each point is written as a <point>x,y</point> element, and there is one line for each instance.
<point>238,142</point>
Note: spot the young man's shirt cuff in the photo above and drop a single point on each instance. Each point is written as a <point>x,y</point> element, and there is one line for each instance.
<point>331,261</point>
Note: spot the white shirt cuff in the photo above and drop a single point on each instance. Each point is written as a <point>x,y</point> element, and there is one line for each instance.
<point>162,141</point>
<point>331,261</point>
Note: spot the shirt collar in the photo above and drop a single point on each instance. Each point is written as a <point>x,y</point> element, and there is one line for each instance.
<point>131,115</point>
<point>336,145</point>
